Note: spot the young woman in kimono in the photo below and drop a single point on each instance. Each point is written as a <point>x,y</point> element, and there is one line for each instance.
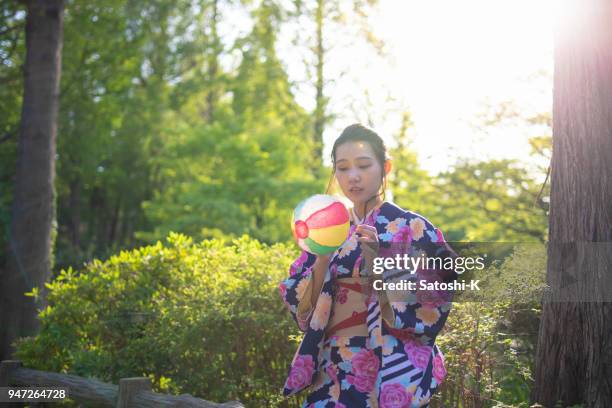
<point>365,347</point>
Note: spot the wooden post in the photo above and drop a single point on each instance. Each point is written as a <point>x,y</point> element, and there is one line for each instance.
<point>128,387</point>
<point>7,367</point>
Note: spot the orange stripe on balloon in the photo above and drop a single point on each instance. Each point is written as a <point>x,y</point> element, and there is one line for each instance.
<point>333,214</point>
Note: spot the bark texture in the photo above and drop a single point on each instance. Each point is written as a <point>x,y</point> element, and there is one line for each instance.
<point>33,210</point>
<point>574,353</point>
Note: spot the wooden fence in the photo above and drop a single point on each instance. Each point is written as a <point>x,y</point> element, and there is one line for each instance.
<point>131,392</point>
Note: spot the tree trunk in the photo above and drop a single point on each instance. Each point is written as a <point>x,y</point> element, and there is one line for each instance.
<point>75,212</point>
<point>319,114</point>
<point>213,65</point>
<point>112,235</point>
<point>99,206</point>
<point>574,353</point>
<point>33,212</point>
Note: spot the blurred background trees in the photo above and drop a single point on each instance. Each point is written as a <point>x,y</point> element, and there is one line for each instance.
<point>182,116</point>
<point>167,125</point>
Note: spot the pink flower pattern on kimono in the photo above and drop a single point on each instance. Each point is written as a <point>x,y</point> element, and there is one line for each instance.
<point>282,288</point>
<point>301,371</point>
<point>295,267</point>
<point>418,355</point>
<point>395,396</point>
<point>365,364</point>
<point>365,368</point>
<point>439,370</point>
<point>363,384</point>
<point>439,235</point>
<point>403,235</point>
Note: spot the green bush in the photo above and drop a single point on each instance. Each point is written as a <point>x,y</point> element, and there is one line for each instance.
<point>204,319</point>
<point>489,341</point>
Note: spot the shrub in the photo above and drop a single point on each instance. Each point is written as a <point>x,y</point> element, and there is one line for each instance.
<point>206,319</point>
<point>203,319</point>
<point>489,341</point>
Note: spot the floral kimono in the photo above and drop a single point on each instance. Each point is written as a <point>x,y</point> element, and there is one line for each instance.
<point>398,364</point>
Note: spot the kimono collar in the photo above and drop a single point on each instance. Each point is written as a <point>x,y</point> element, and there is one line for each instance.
<point>359,221</point>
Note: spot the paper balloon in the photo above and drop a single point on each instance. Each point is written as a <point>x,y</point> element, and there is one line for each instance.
<point>320,224</point>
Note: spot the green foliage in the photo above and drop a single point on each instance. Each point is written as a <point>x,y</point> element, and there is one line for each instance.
<point>165,126</point>
<point>204,319</point>
<point>156,135</point>
<point>489,342</point>
<point>412,186</point>
<point>491,201</point>
<point>245,171</point>
<point>479,201</point>
<point>157,131</point>
<point>127,69</point>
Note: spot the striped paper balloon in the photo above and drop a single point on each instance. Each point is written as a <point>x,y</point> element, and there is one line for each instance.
<point>320,224</point>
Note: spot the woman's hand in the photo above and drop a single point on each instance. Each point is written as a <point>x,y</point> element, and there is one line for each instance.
<point>367,234</point>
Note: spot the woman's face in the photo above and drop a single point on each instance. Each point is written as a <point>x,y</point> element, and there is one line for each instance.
<point>357,171</point>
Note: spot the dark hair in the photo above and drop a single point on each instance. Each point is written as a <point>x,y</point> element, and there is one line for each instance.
<point>359,133</point>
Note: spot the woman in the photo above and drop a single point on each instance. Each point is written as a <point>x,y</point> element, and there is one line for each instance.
<point>365,347</point>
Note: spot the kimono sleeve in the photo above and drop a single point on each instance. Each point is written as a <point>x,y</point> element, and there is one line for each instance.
<point>296,290</point>
<point>422,312</point>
